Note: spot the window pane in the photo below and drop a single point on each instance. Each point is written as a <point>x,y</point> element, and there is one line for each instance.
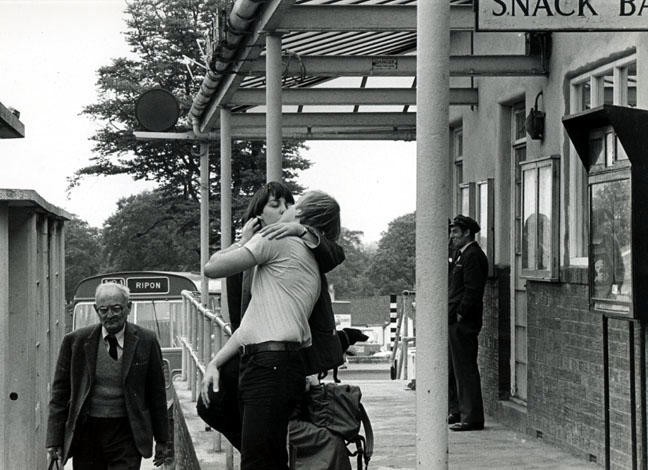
<point>585,96</point>
<point>520,154</point>
<point>632,85</point>
<point>465,201</point>
<point>84,315</point>
<point>458,143</point>
<point>483,216</point>
<point>610,242</point>
<point>520,126</point>
<point>155,316</point>
<point>529,218</point>
<point>608,89</point>
<point>544,218</point>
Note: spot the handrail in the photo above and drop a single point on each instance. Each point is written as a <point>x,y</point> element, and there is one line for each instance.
<point>227,329</point>
<point>202,333</point>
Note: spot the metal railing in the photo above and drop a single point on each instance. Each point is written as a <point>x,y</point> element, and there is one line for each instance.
<point>403,341</point>
<point>202,333</point>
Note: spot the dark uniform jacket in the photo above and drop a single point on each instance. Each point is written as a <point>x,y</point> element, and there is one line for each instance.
<point>467,280</point>
<point>142,382</point>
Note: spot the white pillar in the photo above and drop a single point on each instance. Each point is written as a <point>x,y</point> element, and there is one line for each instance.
<point>273,108</point>
<point>204,221</point>
<point>226,177</point>
<point>432,209</point>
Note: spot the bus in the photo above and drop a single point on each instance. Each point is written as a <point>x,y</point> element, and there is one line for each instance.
<point>156,303</point>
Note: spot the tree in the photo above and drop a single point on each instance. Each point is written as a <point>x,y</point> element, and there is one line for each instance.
<point>350,278</point>
<point>83,253</point>
<point>162,34</point>
<point>393,267</point>
<point>149,231</point>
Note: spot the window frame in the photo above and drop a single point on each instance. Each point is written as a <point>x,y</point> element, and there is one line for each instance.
<point>578,205</point>
<point>487,226</point>
<point>552,161</point>
<point>469,188</point>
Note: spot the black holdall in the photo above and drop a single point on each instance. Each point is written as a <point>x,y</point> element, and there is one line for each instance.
<point>338,409</point>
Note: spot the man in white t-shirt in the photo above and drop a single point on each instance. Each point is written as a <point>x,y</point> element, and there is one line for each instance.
<point>274,329</point>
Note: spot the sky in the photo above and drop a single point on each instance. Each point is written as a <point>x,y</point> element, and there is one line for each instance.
<point>50,51</point>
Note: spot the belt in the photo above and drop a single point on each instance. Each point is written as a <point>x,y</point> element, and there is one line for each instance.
<point>274,346</point>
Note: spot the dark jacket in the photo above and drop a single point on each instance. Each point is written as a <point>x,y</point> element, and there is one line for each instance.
<point>142,381</point>
<point>466,283</point>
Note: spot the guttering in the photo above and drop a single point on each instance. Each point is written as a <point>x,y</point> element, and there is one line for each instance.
<point>242,16</point>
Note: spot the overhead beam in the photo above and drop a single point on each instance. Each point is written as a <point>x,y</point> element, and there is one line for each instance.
<point>347,96</point>
<point>300,133</point>
<point>405,66</point>
<point>240,120</point>
<point>376,18</point>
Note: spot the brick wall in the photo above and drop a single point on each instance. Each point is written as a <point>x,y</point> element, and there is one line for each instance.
<point>565,374</point>
<point>494,340</point>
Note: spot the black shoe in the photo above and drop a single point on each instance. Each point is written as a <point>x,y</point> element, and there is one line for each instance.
<point>454,418</point>
<point>467,427</point>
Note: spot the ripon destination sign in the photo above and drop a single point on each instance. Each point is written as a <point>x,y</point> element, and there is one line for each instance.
<point>562,15</point>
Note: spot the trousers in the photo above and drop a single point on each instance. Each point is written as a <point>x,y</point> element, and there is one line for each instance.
<point>105,444</point>
<point>271,384</point>
<point>464,383</point>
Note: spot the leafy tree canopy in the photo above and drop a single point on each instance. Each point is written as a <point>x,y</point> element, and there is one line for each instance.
<point>350,278</point>
<point>393,266</point>
<point>151,231</point>
<point>162,34</point>
<point>83,253</point>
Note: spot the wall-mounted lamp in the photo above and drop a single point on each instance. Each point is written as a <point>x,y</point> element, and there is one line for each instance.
<point>535,121</point>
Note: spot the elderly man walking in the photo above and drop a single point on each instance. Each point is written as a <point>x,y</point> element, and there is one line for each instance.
<point>108,398</point>
<point>466,283</point>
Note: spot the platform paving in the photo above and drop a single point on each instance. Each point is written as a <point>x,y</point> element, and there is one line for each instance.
<point>392,409</point>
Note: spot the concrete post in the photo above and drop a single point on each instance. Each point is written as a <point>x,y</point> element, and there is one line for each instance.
<point>273,108</point>
<point>204,222</point>
<point>432,209</point>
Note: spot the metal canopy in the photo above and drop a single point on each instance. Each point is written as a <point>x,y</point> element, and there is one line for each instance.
<point>324,43</point>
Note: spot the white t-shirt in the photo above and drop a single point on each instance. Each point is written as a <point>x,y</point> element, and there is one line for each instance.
<point>285,287</point>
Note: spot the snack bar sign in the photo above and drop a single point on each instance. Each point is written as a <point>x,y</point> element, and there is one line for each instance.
<point>561,15</point>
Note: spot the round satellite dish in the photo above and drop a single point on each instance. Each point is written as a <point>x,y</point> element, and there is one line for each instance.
<point>157,110</point>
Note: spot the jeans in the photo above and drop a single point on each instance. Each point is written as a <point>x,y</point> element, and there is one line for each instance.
<point>270,387</point>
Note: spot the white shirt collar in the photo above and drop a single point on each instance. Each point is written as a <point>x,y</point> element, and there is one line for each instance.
<point>119,335</point>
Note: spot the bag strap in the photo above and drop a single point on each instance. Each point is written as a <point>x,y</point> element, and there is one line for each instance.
<point>369,437</point>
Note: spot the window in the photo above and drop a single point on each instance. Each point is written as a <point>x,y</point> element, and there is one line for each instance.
<point>467,199</point>
<point>613,83</point>
<point>457,155</point>
<point>539,218</point>
<point>486,217</point>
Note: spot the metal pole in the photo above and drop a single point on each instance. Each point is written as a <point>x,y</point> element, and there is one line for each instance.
<point>204,222</point>
<point>226,177</point>
<point>273,105</point>
<point>432,208</point>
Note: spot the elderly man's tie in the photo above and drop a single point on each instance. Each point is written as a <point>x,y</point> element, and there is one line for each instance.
<point>113,346</point>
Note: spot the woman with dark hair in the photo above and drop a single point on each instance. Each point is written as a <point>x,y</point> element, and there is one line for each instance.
<point>274,330</point>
